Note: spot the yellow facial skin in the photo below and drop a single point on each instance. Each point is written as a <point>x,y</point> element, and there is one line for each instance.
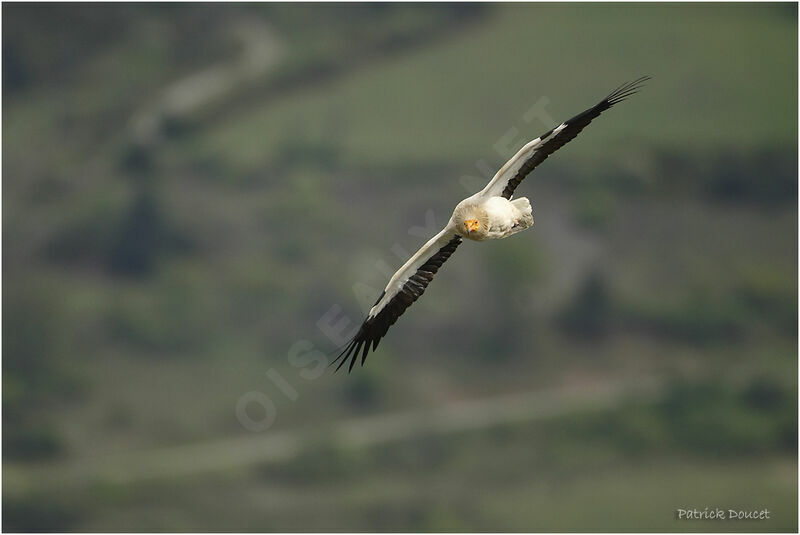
<point>472,225</point>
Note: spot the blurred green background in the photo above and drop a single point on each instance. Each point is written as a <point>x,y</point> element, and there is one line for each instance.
<point>188,189</point>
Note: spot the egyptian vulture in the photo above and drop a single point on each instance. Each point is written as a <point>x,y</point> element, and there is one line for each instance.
<point>490,214</point>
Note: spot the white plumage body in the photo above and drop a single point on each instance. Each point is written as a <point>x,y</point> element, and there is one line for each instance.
<point>497,218</point>
<point>504,218</point>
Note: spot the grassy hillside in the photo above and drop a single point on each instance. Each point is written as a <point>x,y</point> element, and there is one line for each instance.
<point>451,103</point>
<point>189,190</point>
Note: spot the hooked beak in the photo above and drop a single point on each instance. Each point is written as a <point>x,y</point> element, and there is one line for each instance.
<point>471,225</point>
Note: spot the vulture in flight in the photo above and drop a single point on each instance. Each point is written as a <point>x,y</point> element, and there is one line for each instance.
<point>490,214</point>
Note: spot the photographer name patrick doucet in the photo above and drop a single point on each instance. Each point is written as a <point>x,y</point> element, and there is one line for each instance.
<point>722,514</point>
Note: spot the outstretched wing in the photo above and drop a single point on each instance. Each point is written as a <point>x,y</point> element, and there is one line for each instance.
<point>403,289</point>
<point>511,174</point>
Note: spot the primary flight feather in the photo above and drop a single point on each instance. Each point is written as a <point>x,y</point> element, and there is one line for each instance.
<point>489,214</point>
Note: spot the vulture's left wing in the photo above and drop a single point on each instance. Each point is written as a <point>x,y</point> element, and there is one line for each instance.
<point>403,289</point>
<point>511,174</point>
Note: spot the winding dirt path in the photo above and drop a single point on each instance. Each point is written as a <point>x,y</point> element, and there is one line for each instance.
<point>220,455</point>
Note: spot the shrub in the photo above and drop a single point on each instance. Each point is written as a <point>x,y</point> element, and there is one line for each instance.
<point>588,314</point>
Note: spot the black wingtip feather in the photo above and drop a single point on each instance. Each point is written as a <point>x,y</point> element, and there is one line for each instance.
<point>354,357</point>
<point>626,90</point>
<point>572,127</point>
<point>342,356</point>
<point>345,354</point>
<point>364,353</point>
<point>375,327</point>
